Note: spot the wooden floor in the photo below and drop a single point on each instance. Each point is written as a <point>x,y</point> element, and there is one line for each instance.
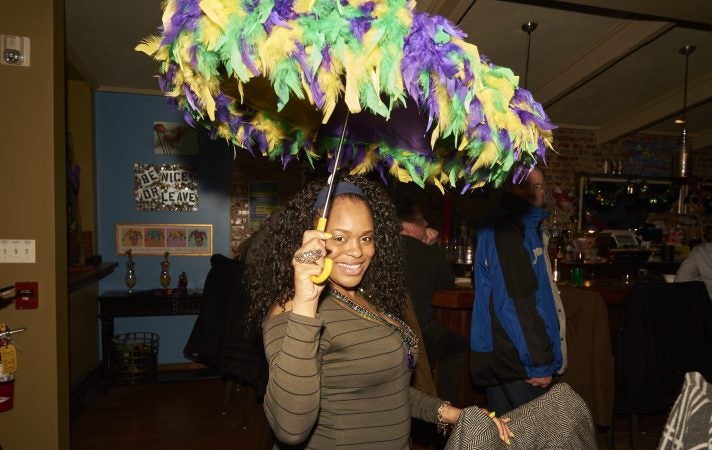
<point>185,416</point>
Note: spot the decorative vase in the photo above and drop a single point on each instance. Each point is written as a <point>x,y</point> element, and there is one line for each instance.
<point>165,278</point>
<point>130,277</point>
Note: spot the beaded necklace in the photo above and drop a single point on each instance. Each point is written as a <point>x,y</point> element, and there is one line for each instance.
<point>403,330</point>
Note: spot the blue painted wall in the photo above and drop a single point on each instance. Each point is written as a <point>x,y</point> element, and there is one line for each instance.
<point>124,136</point>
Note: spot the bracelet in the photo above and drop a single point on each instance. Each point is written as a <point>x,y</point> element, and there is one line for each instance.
<point>441,426</point>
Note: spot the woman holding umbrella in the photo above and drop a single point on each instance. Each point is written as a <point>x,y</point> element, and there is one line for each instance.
<point>340,357</point>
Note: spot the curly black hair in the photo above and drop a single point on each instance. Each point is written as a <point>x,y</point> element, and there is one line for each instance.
<point>269,274</point>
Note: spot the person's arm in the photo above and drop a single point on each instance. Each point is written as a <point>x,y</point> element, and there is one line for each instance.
<point>427,408</point>
<point>521,286</point>
<point>291,403</point>
<point>688,270</point>
<point>291,342</point>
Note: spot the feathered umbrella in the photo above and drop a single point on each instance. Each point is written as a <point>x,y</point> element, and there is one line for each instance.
<point>267,74</point>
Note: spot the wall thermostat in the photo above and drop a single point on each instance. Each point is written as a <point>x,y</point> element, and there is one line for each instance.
<point>14,50</point>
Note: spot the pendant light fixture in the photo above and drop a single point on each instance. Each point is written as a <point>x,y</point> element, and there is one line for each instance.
<point>528,28</point>
<point>683,155</point>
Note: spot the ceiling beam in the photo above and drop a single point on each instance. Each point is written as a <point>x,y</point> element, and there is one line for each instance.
<point>614,45</point>
<point>454,10</point>
<point>699,91</point>
<point>692,11</point>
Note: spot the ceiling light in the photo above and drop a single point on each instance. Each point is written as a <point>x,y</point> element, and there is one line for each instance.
<point>528,28</point>
<point>683,151</point>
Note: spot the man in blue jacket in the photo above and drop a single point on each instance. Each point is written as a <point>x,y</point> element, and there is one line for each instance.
<point>517,335</point>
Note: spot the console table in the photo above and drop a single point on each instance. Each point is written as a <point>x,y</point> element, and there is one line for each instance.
<point>157,302</point>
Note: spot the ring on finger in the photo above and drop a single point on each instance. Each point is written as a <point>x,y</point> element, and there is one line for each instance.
<point>309,256</point>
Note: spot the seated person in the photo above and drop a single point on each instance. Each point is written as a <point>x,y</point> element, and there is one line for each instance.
<point>427,270</point>
<point>697,266</point>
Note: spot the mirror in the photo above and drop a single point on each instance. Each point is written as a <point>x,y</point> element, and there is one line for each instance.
<point>622,202</point>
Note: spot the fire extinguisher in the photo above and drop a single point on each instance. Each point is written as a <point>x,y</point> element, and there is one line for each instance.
<point>8,367</point>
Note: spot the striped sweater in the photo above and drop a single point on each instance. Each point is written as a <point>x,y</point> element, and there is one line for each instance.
<point>340,380</point>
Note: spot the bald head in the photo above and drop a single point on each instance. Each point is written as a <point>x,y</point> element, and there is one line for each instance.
<point>532,189</point>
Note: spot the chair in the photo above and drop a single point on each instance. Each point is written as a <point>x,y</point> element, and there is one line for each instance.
<point>221,338</point>
<point>590,357</point>
<point>689,424</point>
<point>665,331</point>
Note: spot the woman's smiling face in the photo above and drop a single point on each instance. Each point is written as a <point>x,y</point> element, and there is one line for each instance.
<point>352,246</point>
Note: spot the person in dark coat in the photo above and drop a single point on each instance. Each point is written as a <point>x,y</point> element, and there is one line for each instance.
<point>427,270</point>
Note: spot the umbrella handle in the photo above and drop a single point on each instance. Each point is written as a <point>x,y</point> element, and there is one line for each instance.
<point>328,263</point>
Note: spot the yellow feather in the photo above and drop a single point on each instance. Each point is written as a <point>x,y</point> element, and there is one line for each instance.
<point>354,73</point>
<point>215,11</point>
<point>303,6</point>
<point>168,12</point>
<point>400,173</point>
<point>278,46</point>
<point>463,143</point>
<point>272,132</point>
<point>405,15</point>
<point>332,86</point>
<point>211,34</point>
<point>439,185</point>
<point>149,45</point>
<point>487,158</point>
<point>469,48</point>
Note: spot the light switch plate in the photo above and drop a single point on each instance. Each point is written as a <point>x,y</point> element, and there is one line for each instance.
<point>17,251</point>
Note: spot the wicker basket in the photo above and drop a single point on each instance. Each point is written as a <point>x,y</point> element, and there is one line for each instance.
<point>134,358</point>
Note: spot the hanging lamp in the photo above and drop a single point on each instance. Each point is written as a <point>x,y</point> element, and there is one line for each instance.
<point>685,148</point>
<point>528,28</point>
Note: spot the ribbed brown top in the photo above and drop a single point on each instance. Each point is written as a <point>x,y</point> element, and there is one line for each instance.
<point>340,380</point>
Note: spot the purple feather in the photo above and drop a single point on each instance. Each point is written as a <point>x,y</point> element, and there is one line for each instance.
<point>262,142</point>
<point>505,141</point>
<point>190,97</point>
<point>244,53</point>
<point>326,59</point>
<point>359,27</point>
<point>185,17</point>
<point>483,132</point>
<point>367,8</point>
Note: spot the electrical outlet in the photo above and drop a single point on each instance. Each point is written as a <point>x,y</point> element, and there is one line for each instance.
<point>17,251</point>
<point>14,50</point>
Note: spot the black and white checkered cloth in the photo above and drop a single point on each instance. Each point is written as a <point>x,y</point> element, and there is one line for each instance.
<point>558,419</point>
<point>689,425</point>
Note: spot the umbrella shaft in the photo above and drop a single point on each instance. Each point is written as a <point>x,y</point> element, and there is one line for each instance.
<point>325,213</point>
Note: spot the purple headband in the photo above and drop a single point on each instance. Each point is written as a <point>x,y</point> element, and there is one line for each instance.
<point>341,187</point>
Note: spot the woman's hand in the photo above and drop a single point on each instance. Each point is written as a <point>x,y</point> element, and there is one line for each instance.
<point>543,382</point>
<point>308,261</point>
<point>502,426</point>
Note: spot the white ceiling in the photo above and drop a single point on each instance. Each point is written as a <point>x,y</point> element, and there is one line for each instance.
<point>608,65</point>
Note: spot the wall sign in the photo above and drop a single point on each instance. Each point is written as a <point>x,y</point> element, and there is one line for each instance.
<point>165,187</point>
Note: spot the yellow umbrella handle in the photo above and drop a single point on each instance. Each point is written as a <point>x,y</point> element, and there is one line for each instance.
<point>328,263</point>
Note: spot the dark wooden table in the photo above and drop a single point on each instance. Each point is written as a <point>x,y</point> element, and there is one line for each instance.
<point>156,302</point>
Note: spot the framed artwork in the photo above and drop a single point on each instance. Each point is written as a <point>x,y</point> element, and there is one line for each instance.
<point>174,138</point>
<point>156,239</point>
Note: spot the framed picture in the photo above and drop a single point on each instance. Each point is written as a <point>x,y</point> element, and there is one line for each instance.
<point>156,239</point>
